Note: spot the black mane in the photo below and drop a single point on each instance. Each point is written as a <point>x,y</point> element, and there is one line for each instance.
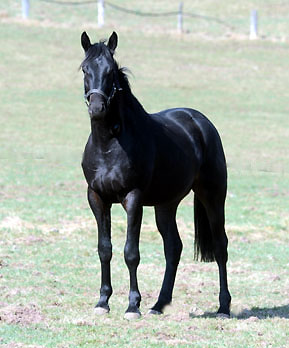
<point>123,76</point>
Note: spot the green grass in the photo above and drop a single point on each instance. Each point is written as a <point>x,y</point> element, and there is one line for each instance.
<point>49,269</point>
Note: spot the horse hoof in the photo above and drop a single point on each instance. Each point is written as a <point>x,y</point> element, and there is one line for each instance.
<point>154,312</point>
<point>132,316</point>
<point>100,310</point>
<point>223,316</point>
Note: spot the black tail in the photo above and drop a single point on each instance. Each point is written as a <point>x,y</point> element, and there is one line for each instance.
<point>203,233</point>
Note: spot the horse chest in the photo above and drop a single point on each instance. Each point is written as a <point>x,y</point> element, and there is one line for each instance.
<point>108,173</point>
<point>107,181</point>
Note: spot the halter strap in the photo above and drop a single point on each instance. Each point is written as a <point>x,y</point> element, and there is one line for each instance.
<point>115,87</point>
<point>97,91</point>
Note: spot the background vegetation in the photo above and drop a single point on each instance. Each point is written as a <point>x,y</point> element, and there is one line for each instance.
<point>49,270</point>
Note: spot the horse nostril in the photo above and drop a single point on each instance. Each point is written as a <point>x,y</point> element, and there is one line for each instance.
<point>96,110</point>
<point>100,107</point>
<point>90,110</point>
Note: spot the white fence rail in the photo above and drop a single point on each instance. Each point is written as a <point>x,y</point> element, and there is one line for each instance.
<point>180,14</point>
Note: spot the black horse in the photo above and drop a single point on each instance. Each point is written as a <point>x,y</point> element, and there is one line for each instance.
<point>140,159</point>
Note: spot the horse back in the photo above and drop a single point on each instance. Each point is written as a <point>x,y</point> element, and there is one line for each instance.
<point>186,133</point>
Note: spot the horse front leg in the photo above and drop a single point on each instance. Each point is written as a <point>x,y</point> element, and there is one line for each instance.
<point>101,212</point>
<point>133,206</point>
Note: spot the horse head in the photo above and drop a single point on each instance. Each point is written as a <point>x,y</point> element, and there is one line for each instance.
<point>100,75</point>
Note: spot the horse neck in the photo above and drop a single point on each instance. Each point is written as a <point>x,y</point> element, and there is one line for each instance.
<point>130,110</point>
<point>100,133</point>
<point>126,112</point>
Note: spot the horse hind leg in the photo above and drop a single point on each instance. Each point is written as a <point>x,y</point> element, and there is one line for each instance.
<point>220,245</point>
<point>166,224</point>
<point>211,242</point>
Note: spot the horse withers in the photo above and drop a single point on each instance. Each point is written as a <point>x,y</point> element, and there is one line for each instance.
<point>139,159</point>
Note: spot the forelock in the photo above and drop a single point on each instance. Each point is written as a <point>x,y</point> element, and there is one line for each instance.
<point>95,51</point>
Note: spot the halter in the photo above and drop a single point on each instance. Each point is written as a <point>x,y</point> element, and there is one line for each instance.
<point>115,87</point>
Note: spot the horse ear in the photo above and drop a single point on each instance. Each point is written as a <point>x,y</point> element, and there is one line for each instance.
<point>112,42</point>
<point>85,41</point>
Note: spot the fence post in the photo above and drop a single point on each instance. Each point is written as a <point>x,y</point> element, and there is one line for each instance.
<point>254,25</point>
<point>25,9</point>
<point>100,13</point>
<point>180,17</point>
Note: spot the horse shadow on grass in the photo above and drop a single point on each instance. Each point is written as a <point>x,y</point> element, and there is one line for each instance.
<point>254,312</point>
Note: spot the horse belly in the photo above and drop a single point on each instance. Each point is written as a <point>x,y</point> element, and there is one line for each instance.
<point>172,182</point>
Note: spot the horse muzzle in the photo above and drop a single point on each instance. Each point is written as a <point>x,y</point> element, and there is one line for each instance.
<point>97,107</point>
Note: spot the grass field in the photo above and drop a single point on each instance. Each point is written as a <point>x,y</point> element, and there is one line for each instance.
<point>49,269</point>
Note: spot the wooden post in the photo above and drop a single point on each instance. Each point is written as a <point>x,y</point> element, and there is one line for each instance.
<point>25,9</point>
<point>254,25</point>
<point>100,13</point>
<point>180,17</point>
